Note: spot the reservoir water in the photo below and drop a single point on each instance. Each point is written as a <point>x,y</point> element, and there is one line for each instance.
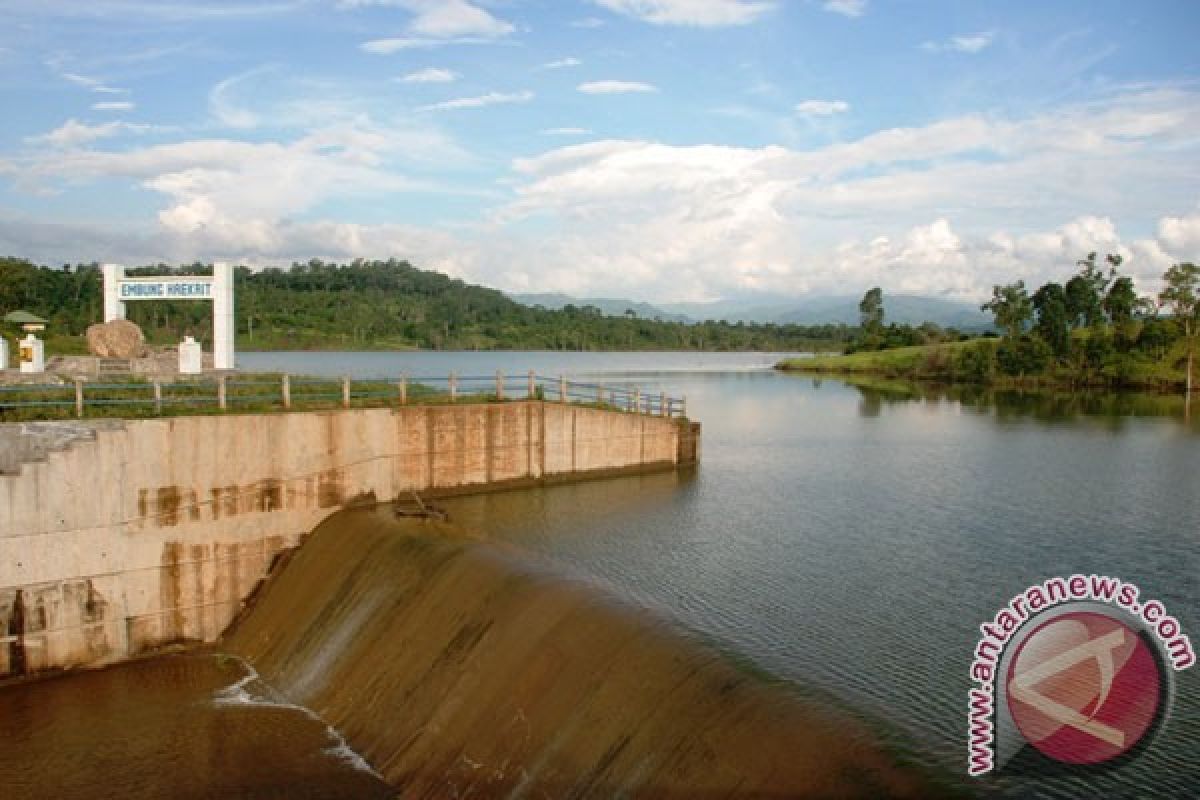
<point>846,540</point>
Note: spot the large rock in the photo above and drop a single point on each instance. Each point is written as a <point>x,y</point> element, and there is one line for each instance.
<point>117,339</point>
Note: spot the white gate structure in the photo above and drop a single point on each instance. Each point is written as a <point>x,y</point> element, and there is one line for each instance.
<point>120,289</point>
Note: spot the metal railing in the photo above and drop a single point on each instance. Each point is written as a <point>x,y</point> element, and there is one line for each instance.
<point>83,398</point>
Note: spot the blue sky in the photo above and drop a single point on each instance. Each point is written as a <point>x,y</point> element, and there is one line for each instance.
<point>656,149</point>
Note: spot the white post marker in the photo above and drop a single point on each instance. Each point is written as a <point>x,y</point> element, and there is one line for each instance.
<point>191,360</point>
<point>223,353</point>
<point>3,353</point>
<point>33,355</point>
<point>113,307</point>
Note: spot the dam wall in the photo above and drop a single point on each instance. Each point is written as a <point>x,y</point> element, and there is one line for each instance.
<point>123,537</point>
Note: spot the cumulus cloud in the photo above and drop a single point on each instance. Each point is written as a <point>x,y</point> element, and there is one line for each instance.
<point>699,13</point>
<point>480,101</point>
<point>1181,235</point>
<point>615,87</point>
<point>886,208</point>
<point>666,222</point>
<point>962,43</point>
<point>562,63</point>
<point>822,108</point>
<point>847,8</point>
<point>430,75</point>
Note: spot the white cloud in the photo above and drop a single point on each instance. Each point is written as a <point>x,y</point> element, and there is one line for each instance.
<point>700,13</point>
<point>1181,235</point>
<point>566,132</point>
<point>384,47</point>
<point>962,43</point>
<point>885,209</point>
<point>444,19</point>
<point>953,206</point>
<point>73,133</point>
<point>430,75</point>
<point>480,101</point>
<point>822,108</point>
<point>588,22</point>
<point>113,105</point>
<point>436,23</point>
<point>847,8</point>
<point>562,63</point>
<point>95,84</point>
<point>615,87</point>
<point>223,106</point>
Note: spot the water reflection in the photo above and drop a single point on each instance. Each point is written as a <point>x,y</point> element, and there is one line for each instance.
<point>1113,410</point>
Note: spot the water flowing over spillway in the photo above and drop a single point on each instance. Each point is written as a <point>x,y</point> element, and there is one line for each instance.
<point>458,668</point>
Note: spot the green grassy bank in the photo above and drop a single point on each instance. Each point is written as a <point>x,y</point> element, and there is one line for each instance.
<point>997,363</point>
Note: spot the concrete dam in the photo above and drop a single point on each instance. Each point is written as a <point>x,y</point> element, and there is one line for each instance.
<point>451,666</point>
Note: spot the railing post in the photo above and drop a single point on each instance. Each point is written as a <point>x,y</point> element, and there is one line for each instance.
<point>287,390</point>
<point>79,397</point>
<point>499,385</point>
<point>683,406</point>
<point>453,387</point>
<point>637,400</point>
<point>532,385</point>
<point>345,392</point>
<point>562,389</point>
<point>403,390</point>
<point>599,394</point>
<point>663,409</point>
<point>221,404</point>
<point>157,396</point>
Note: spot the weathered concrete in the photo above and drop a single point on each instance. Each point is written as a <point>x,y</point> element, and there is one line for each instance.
<point>148,532</point>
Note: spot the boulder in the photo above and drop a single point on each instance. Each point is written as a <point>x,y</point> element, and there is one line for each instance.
<point>117,339</point>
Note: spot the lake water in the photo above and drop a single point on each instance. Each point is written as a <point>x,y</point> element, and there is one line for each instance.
<point>851,540</point>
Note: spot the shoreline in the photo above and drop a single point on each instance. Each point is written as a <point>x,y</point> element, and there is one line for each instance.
<point>937,364</point>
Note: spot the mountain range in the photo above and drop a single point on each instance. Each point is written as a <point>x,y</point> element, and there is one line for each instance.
<point>815,310</point>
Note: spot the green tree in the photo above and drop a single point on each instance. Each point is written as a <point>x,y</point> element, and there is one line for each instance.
<point>1182,296</point>
<point>1121,300</point>
<point>1011,308</point>
<point>870,311</point>
<point>1050,302</point>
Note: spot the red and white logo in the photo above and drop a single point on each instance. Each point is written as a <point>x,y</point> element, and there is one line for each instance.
<point>1084,688</point>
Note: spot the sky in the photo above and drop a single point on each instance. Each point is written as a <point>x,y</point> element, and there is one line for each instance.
<point>660,150</point>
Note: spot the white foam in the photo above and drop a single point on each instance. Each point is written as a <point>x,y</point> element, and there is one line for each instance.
<point>240,694</point>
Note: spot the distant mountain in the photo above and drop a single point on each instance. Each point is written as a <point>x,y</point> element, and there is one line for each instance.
<point>827,309</point>
<point>903,309</point>
<point>609,306</point>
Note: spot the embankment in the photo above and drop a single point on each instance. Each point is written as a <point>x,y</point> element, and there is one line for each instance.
<point>122,537</point>
<point>458,669</point>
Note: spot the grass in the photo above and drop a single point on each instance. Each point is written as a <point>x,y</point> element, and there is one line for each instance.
<point>899,361</point>
<point>250,393</point>
<point>126,398</point>
<point>939,362</point>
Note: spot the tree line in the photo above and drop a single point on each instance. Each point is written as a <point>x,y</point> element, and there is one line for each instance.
<point>381,305</point>
<point>1096,323</point>
<point>1093,330</point>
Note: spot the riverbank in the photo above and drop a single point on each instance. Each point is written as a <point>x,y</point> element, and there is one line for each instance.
<point>981,362</point>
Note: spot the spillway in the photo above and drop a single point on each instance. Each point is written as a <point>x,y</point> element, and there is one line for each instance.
<point>458,668</point>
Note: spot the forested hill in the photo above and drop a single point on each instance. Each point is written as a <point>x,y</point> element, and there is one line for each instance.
<point>379,305</point>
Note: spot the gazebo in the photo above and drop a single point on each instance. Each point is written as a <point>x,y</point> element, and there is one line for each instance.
<point>28,322</point>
